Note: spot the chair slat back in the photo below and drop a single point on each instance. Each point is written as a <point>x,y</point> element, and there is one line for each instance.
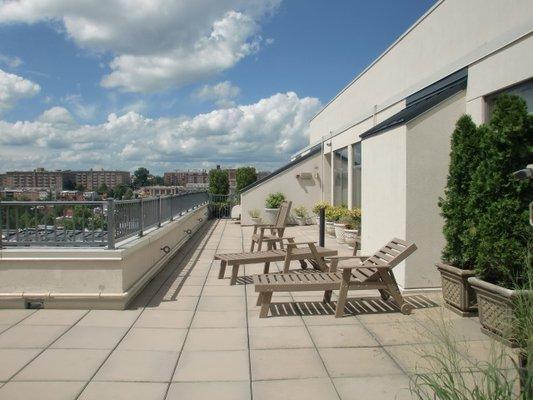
<point>283,214</point>
<point>391,254</point>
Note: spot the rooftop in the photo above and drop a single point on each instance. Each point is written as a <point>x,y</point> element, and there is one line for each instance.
<point>190,335</point>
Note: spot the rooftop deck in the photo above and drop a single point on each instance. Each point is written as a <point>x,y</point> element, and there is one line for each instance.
<point>190,335</point>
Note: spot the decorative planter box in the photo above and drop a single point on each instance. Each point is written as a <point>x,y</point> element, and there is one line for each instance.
<point>339,232</point>
<point>350,237</point>
<point>330,229</point>
<point>496,309</point>
<point>458,295</point>
<point>270,215</point>
<point>256,221</point>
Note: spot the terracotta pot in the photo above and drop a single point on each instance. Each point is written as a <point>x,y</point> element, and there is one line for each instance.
<point>270,215</point>
<point>330,229</point>
<point>496,309</point>
<point>350,236</point>
<point>458,295</point>
<point>339,232</point>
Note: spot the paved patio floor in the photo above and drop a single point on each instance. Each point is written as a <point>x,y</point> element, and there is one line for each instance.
<point>189,335</point>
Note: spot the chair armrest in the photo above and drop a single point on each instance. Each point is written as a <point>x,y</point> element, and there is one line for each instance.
<point>361,266</point>
<point>340,258</point>
<point>260,225</point>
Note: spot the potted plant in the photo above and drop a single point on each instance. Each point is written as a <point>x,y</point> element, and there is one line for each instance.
<point>331,217</point>
<point>457,260</point>
<point>255,215</point>
<point>338,224</point>
<point>272,204</point>
<point>352,222</point>
<point>317,207</point>
<point>301,215</point>
<point>500,232</point>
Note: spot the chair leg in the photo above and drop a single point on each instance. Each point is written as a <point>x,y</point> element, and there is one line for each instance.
<point>392,288</point>
<point>259,245</point>
<point>222,270</point>
<point>234,273</point>
<point>343,293</point>
<point>266,268</point>
<point>259,299</point>
<point>327,296</point>
<point>252,246</point>
<point>265,304</point>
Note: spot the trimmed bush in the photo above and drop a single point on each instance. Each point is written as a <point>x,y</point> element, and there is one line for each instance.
<point>499,231</point>
<point>464,159</point>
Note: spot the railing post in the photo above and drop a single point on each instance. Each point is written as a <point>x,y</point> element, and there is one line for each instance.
<point>141,218</point>
<point>171,200</point>
<point>159,211</point>
<point>322,230</point>
<point>1,215</point>
<point>110,224</point>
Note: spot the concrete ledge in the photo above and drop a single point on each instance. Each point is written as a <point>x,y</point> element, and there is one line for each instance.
<point>91,278</point>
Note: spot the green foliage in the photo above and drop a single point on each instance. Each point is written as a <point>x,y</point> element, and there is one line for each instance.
<point>464,159</point>
<point>319,205</point>
<point>218,181</point>
<point>301,212</point>
<point>103,189</point>
<point>119,191</point>
<point>80,187</point>
<point>335,213</point>
<point>140,177</point>
<point>245,176</point>
<point>352,219</point>
<point>498,233</point>
<point>274,200</point>
<point>128,195</point>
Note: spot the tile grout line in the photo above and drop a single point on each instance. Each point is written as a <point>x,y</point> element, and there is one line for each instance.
<point>45,348</point>
<point>214,226</point>
<point>122,338</point>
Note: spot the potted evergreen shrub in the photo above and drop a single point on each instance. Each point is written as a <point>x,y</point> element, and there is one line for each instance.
<point>316,209</point>
<point>339,225</point>
<point>352,222</point>
<point>255,215</point>
<point>272,205</point>
<point>457,266</point>
<point>500,235</point>
<point>301,215</point>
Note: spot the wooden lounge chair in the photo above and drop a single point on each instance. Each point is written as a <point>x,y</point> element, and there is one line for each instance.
<point>277,230</point>
<point>373,272</point>
<point>291,252</point>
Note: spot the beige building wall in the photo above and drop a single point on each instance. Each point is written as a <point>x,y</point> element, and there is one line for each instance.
<point>454,34</point>
<point>383,191</point>
<point>428,149</point>
<point>304,192</point>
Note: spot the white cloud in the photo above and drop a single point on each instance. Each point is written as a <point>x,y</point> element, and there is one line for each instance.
<point>265,133</point>
<point>14,88</point>
<point>222,94</point>
<point>11,62</point>
<point>157,44</point>
<point>83,110</point>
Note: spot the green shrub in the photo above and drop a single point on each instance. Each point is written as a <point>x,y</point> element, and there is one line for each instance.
<point>274,200</point>
<point>335,213</point>
<point>245,176</point>
<point>499,232</point>
<point>301,212</point>
<point>464,159</point>
<point>320,205</point>
<point>218,181</point>
<point>352,219</point>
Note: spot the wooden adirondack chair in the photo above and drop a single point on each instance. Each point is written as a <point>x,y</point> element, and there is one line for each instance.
<point>374,272</point>
<point>275,236</point>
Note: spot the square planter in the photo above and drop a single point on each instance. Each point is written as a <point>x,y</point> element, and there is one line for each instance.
<point>496,310</point>
<point>458,295</point>
<point>339,232</point>
<point>330,229</point>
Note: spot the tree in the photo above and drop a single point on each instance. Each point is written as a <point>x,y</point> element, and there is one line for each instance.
<point>156,180</point>
<point>464,159</point>
<point>103,189</point>
<point>128,195</point>
<point>245,176</point>
<point>119,192</point>
<point>500,230</point>
<point>140,177</point>
<point>218,181</point>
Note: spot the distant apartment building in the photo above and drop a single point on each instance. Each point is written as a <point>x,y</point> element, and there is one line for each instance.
<point>94,179</point>
<point>38,178</point>
<point>153,191</point>
<point>188,179</point>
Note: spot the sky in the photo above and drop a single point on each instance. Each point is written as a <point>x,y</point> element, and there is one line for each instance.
<point>178,84</point>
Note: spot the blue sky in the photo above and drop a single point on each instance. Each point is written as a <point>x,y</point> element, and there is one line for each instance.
<point>189,85</point>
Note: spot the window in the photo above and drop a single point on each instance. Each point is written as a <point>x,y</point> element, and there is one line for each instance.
<point>524,90</point>
<point>340,177</point>
<point>356,195</point>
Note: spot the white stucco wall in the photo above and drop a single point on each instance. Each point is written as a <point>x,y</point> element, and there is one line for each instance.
<point>383,191</point>
<point>304,192</point>
<point>453,35</point>
<point>428,148</point>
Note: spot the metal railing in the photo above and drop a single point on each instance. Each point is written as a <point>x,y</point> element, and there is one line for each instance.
<point>89,223</point>
<point>220,205</point>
